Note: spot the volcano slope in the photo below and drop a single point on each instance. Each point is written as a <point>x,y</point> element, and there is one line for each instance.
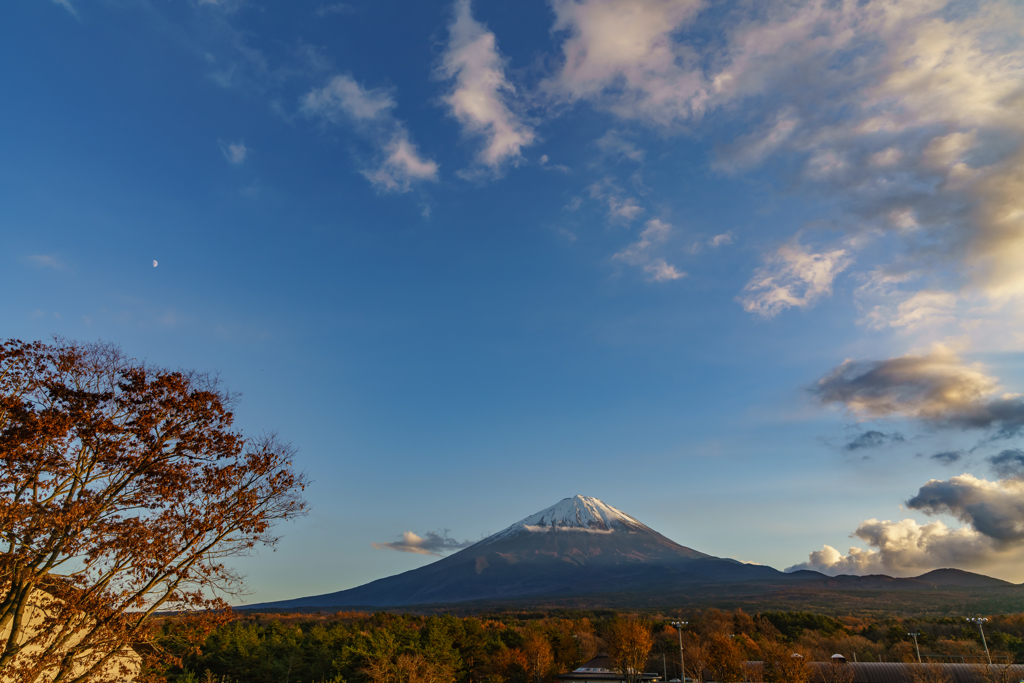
<point>580,545</point>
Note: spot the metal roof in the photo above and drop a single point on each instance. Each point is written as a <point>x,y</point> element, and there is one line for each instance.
<point>893,672</point>
<point>601,668</point>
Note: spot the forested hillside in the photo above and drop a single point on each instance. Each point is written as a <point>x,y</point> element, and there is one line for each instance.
<point>532,647</point>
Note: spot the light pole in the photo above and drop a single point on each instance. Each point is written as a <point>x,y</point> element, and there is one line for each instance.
<point>914,636</point>
<point>979,621</point>
<point>682,660</point>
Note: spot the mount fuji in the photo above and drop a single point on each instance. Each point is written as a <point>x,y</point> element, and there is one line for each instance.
<point>580,545</point>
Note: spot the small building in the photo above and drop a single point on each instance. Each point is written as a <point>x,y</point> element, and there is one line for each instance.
<point>601,669</point>
<point>123,667</point>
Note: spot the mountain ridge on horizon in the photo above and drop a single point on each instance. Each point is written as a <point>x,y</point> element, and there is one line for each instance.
<point>583,546</point>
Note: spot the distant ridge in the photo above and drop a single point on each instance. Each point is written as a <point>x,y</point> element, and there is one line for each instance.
<point>959,577</point>
<point>582,551</point>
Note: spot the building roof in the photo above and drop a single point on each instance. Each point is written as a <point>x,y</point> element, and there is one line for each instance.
<point>893,672</point>
<point>601,668</point>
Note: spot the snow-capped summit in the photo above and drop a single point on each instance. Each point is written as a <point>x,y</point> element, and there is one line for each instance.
<point>579,513</point>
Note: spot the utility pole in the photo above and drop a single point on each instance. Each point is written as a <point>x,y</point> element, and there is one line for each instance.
<point>914,636</point>
<point>979,621</point>
<point>682,660</point>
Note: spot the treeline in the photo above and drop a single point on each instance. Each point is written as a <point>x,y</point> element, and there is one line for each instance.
<point>532,648</point>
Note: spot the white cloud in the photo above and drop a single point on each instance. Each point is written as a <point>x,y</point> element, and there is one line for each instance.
<point>401,166</point>
<point>621,56</point>
<point>660,271</point>
<point>912,112</point>
<point>992,508</point>
<point>481,95</point>
<point>889,156</point>
<point>343,98</point>
<point>614,144</point>
<point>432,543</point>
<point>753,148</point>
<point>946,151</point>
<point>235,152</point>
<point>903,219</point>
<point>620,206</point>
<point>994,536</point>
<point>923,308</point>
<point>793,277</point>
<point>399,163</point>
<point>824,164</point>
<point>721,240</point>
<point>937,385</point>
<point>642,253</point>
<point>920,134</point>
<point>906,548</point>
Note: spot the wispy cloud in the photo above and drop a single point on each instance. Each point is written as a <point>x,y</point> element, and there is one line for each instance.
<point>872,439</point>
<point>343,98</point>
<point>431,543</point>
<point>66,4</point>
<point>234,152</point>
<point>615,145</point>
<point>644,252</point>
<point>919,136</point>
<point>1009,464</point>
<point>621,207</point>
<point>923,308</point>
<point>481,96</point>
<point>45,261</point>
<point>948,457</point>
<point>399,163</point>
<point>791,277</point>
<point>543,161</point>
<point>402,164</point>
<point>721,240</point>
<point>334,8</point>
<point>224,5</point>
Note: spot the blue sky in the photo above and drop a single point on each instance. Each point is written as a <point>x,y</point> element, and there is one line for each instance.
<point>740,270</point>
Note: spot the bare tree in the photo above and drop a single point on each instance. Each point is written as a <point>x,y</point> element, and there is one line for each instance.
<point>697,654</point>
<point>930,673</point>
<point>837,672</point>
<point>124,490</point>
<point>997,673</point>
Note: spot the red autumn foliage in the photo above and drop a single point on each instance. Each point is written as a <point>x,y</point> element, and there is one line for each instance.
<point>123,491</point>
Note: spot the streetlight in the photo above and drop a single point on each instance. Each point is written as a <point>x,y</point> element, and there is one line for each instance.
<point>979,621</point>
<point>682,660</point>
<point>914,636</point>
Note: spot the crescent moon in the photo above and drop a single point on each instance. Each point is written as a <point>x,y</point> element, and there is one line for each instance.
<point>154,263</point>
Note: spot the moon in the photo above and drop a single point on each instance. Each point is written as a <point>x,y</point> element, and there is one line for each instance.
<point>154,263</point>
